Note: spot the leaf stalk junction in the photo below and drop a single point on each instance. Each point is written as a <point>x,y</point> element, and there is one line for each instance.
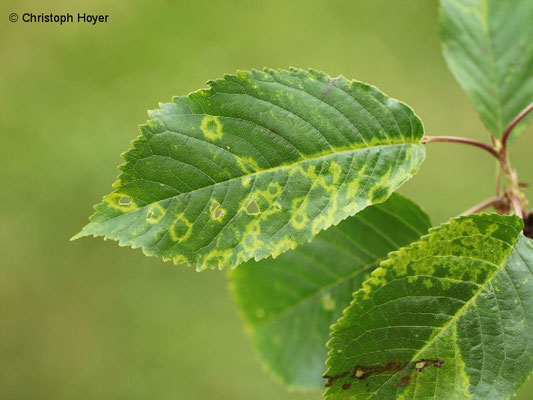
<point>511,199</point>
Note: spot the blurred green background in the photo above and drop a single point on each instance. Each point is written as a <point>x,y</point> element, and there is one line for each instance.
<point>91,320</point>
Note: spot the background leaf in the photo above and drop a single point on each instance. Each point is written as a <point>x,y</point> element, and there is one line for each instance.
<point>488,46</point>
<point>256,165</point>
<point>448,317</point>
<point>289,303</point>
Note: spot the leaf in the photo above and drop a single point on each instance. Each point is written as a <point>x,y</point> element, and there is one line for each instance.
<point>449,317</point>
<point>257,164</point>
<point>488,46</point>
<point>289,303</point>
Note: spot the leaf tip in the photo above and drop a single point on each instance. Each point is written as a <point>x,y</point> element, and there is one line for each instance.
<point>78,235</point>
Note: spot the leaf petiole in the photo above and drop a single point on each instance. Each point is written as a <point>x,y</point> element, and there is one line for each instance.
<point>513,123</point>
<point>456,139</point>
<point>493,201</point>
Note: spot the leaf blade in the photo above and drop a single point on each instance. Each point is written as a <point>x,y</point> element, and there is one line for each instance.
<point>305,149</point>
<point>487,47</point>
<point>301,293</point>
<point>440,294</point>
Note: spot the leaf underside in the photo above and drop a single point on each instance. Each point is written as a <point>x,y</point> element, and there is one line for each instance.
<point>289,303</point>
<point>489,48</point>
<point>256,165</point>
<point>449,317</point>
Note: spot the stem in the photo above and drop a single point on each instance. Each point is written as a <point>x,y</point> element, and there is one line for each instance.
<point>517,206</point>
<point>515,121</point>
<point>484,204</point>
<point>455,139</point>
<point>498,179</point>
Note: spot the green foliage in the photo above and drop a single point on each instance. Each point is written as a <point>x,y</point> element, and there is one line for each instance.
<point>256,165</point>
<point>289,303</point>
<point>448,317</point>
<point>488,46</point>
<point>264,161</point>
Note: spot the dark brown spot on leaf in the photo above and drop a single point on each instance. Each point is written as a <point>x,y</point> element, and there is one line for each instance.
<point>423,364</point>
<point>332,379</point>
<point>361,372</point>
<point>404,381</point>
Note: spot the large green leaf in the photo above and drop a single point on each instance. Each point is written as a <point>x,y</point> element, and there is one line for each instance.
<point>449,317</point>
<point>257,164</point>
<point>289,303</point>
<point>489,48</point>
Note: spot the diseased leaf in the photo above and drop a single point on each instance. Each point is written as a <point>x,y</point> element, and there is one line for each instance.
<point>289,303</point>
<point>257,164</point>
<point>449,317</point>
<point>488,46</point>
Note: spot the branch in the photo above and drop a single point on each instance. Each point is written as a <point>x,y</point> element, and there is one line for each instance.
<point>455,139</point>
<point>515,121</point>
<point>484,204</point>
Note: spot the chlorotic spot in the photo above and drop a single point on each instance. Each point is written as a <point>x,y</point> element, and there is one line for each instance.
<point>214,205</point>
<point>216,210</point>
<point>246,181</point>
<point>155,213</point>
<point>125,200</point>
<point>335,171</point>
<point>299,212</point>
<point>219,213</point>
<point>121,202</point>
<point>328,303</point>
<point>211,127</point>
<point>252,208</point>
<point>378,194</point>
<point>428,283</point>
<point>181,229</point>
<point>282,246</point>
<point>216,259</point>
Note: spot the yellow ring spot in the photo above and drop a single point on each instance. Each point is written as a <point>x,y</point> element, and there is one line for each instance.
<point>211,127</point>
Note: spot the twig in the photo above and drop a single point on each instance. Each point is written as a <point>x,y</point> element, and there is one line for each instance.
<point>513,123</point>
<point>455,139</point>
<point>484,204</point>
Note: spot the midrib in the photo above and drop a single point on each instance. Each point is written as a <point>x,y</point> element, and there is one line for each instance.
<point>281,167</point>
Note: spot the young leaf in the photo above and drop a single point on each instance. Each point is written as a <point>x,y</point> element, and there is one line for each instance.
<point>449,317</point>
<point>257,164</point>
<point>289,303</point>
<point>488,46</point>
